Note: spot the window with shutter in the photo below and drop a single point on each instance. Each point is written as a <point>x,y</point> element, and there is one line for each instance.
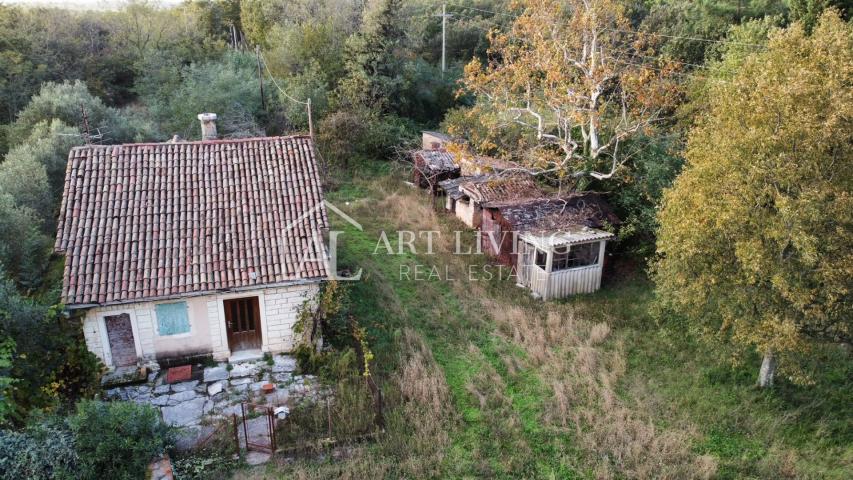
<point>172,318</point>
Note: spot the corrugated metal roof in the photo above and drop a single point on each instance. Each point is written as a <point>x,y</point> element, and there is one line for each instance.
<point>567,235</point>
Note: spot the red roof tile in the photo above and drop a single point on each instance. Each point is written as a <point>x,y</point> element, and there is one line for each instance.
<point>143,221</point>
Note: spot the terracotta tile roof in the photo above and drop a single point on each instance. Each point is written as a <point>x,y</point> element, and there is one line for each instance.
<point>143,221</point>
<point>451,186</point>
<point>483,165</point>
<point>557,214</point>
<point>494,188</point>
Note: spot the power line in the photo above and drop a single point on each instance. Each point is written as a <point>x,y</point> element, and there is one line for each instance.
<point>679,37</point>
<point>482,10</point>
<point>272,78</point>
<point>307,103</point>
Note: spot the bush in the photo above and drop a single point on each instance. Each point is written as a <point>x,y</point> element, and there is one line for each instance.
<point>204,467</point>
<point>42,451</point>
<point>369,135</point>
<point>51,365</point>
<point>101,441</point>
<point>118,440</point>
<point>62,101</point>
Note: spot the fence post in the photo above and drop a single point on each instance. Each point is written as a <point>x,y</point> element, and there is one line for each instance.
<point>329,415</point>
<point>236,434</point>
<point>271,417</point>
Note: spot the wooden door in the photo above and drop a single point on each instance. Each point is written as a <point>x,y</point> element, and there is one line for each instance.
<point>120,336</point>
<point>243,321</point>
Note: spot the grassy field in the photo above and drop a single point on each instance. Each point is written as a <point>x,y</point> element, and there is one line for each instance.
<point>483,381</point>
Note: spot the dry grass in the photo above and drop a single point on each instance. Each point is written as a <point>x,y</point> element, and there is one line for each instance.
<point>417,435</point>
<point>583,364</point>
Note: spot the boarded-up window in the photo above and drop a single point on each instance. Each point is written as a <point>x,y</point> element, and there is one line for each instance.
<point>172,318</point>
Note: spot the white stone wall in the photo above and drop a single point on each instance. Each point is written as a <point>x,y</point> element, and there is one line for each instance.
<point>279,311</point>
<point>466,211</point>
<point>281,307</point>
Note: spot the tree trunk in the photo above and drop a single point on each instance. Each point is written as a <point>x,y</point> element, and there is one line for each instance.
<point>768,370</point>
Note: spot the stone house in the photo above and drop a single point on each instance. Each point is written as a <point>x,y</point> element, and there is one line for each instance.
<point>189,249</point>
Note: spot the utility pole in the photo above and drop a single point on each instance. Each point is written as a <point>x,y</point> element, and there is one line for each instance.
<point>260,76</point>
<point>310,120</point>
<point>87,134</point>
<point>444,16</point>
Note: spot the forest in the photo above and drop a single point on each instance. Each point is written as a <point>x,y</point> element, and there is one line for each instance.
<point>719,130</point>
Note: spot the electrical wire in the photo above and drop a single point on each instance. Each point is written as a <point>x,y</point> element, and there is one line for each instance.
<point>264,61</point>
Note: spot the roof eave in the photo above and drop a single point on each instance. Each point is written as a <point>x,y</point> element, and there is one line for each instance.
<point>288,283</point>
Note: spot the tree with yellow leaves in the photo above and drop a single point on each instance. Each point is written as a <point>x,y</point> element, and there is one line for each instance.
<point>756,236</point>
<point>574,74</point>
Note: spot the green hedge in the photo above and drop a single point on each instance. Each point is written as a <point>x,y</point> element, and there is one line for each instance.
<point>113,441</point>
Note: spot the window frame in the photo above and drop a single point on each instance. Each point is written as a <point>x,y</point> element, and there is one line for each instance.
<point>564,260</point>
<point>188,333</point>
<point>538,251</point>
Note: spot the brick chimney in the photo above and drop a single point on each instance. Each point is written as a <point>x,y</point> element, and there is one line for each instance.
<point>208,126</point>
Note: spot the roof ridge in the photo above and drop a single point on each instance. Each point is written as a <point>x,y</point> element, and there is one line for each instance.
<point>196,142</point>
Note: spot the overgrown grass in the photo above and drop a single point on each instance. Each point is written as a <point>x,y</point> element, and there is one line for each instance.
<point>483,381</point>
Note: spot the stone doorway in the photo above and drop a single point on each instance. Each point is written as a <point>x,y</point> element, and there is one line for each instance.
<point>243,323</point>
<point>120,338</point>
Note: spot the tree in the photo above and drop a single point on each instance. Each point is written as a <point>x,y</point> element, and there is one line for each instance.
<point>808,11</point>
<point>572,74</point>
<point>51,365</point>
<point>756,237</point>
<point>66,102</point>
<point>373,74</point>
<point>228,87</point>
<point>23,246</point>
<point>48,146</point>
<point>683,27</point>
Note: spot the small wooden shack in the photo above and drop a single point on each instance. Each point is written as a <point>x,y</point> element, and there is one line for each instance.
<point>556,264</point>
<point>431,167</point>
<point>466,195</point>
<point>556,244</point>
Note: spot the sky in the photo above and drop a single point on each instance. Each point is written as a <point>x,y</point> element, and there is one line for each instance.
<point>81,4</point>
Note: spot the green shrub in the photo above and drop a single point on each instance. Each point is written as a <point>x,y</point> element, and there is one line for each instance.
<point>42,451</point>
<point>204,467</point>
<point>51,365</point>
<point>117,440</point>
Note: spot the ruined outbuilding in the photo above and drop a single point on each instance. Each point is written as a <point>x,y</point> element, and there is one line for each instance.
<point>556,244</point>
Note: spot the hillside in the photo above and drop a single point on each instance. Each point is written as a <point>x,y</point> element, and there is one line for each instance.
<point>484,381</point>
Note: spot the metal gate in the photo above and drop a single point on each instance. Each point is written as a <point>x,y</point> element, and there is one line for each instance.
<point>258,427</point>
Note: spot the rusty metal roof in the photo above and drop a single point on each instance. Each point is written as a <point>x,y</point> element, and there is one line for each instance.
<point>143,221</point>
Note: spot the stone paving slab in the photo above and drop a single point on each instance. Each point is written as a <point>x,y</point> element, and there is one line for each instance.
<point>220,391</point>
